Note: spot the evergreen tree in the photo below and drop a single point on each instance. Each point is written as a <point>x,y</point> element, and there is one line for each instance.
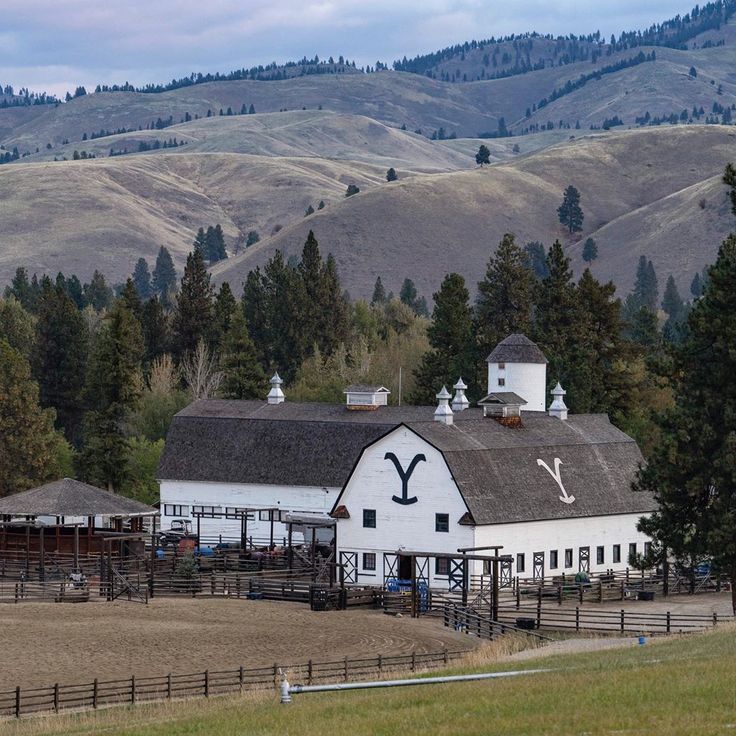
<point>142,279</point>
<point>408,293</point>
<point>483,156</point>
<point>194,307</point>
<point>75,290</point>
<point>692,471</point>
<point>352,189</point>
<point>696,287</point>
<point>243,376</point>
<point>201,245</point>
<point>224,309</point>
<point>537,256</point>
<point>17,326</point>
<point>391,174</point>
<point>646,290</point>
<point>112,391</point>
<point>156,337</point>
<point>252,238</point>
<point>59,357</point>
<point>20,288</point>
<point>97,293</point>
<point>28,442</point>
<point>451,339</point>
<point>333,305</point>
<point>590,250</point>
<point>569,212</point>
<point>672,301</point>
<point>164,278</point>
<point>729,178</point>
<point>215,244</point>
<point>132,300</point>
<point>379,293</point>
<point>505,298</point>
<point>309,211</point>
<point>640,323</point>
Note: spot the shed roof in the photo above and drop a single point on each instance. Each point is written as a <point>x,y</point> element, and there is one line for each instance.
<point>516,348</point>
<point>68,497</point>
<point>362,388</point>
<point>508,398</point>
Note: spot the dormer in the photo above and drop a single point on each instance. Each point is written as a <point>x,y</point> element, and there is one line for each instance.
<point>366,398</point>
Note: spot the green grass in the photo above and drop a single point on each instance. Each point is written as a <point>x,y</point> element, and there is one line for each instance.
<point>679,686</point>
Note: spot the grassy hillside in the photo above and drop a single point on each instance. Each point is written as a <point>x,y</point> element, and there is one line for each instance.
<point>427,226</point>
<point>669,688</point>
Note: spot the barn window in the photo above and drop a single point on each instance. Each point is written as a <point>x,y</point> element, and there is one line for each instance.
<point>442,522</point>
<point>501,381</point>
<point>369,518</point>
<point>647,548</point>
<point>207,510</point>
<point>632,550</point>
<point>441,565</point>
<point>235,512</point>
<point>600,555</point>
<point>568,558</point>
<point>553,559</point>
<point>617,553</point>
<point>520,563</point>
<point>268,514</point>
<point>502,366</point>
<point>369,560</point>
<point>175,509</point>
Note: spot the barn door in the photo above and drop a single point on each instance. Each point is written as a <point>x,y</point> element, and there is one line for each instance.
<point>584,559</point>
<point>538,566</point>
<point>456,576</point>
<point>349,562</point>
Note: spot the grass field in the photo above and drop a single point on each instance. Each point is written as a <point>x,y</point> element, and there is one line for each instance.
<point>676,686</point>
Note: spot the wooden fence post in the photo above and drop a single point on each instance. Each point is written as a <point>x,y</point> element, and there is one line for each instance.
<point>577,618</point>
<point>132,689</point>
<point>94,693</point>
<point>168,686</point>
<point>539,609</point>
<point>445,654</point>
<point>715,616</point>
<point>622,620</point>
<point>275,674</point>
<point>380,663</point>
<point>241,677</point>
<point>413,661</point>
<point>206,683</point>
<point>17,701</point>
<point>518,594</point>
<point>309,672</point>
<point>346,669</point>
<point>668,622</point>
<point>56,697</point>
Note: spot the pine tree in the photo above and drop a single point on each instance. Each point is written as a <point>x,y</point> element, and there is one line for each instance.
<point>696,288</point>
<point>132,300</point>
<point>224,309</point>
<point>569,212</point>
<point>537,256</point>
<point>672,301</point>
<point>156,335</point>
<point>97,293</point>
<point>215,244</point>
<point>646,290</point>
<point>451,338</point>
<point>201,245</point>
<point>333,305</point>
<point>729,178</point>
<point>408,293</point>
<point>351,190</point>
<point>17,326</point>
<point>590,250</point>
<point>379,293</point>
<point>59,357</point>
<point>164,278</point>
<point>20,288</point>
<point>142,279</point>
<point>194,306</point>
<point>309,211</point>
<point>28,442</point>
<point>483,156</point>
<point>692,471</point>
<point>112,391</point>
<point>505,298</point>
<point>244,377</point>
<point>391,174</point>
<point>75,290</point>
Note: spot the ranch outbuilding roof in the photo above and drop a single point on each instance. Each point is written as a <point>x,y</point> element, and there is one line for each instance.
<point>516,348</point>
<point>495,467</point>
<point>68,497</point>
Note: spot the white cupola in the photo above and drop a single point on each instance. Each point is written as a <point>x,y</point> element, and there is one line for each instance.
<point>460,400</point>
<point>518,366</point>
<point>276,395</point>
<point>557,408</point>
<point>443,412</point>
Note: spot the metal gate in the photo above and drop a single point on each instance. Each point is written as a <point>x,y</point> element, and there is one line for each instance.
<point>349,562</point>
<point>538,566</point>
<point>584,559</point>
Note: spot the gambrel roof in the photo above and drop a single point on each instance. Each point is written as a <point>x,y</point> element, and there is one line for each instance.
<point>496,468</point>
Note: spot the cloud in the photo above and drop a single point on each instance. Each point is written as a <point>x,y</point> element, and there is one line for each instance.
<point>47,45</point>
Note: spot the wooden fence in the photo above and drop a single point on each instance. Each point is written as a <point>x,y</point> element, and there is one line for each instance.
<point>621,621</point>
<point>57,697</point>
<point>20,591</point>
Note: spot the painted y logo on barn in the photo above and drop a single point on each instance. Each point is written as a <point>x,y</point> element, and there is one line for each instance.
<point>404,499</point>
<point>558,479</point>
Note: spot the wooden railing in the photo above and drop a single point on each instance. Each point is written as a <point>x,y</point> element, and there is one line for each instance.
<point>93,694</point>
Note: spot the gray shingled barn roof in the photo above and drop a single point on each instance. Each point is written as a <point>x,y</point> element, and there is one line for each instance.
<point>503,397</point>
<point>516,349</point>
<point>68,497</point>
<point>495,467</point>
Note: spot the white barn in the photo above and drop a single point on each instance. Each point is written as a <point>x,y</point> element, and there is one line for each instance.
<point>553,491</point>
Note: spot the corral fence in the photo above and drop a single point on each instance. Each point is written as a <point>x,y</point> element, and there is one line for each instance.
<point>98,693</point>
<point>465,620</point>
<point>621,621</point>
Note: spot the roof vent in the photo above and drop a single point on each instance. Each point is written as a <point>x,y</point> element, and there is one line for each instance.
<point>460,401</point>
<point>365,398</point>
<point>276,395</point>
<point>557,408</point>
<point>443,412</point>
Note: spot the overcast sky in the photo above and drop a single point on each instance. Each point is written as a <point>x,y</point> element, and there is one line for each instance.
<point>55,45</point>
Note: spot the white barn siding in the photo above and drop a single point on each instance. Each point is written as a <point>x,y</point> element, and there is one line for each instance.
<point>411,527</point>
<point>528,380</point>
<point>530,537</point>
<point>178,494</point>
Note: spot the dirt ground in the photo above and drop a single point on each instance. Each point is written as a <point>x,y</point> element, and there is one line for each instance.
<point>73,643</point>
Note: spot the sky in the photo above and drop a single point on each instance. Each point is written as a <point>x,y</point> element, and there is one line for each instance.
<point>55,45</point>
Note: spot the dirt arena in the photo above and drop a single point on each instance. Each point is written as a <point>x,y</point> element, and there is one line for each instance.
<point>46,643</point>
